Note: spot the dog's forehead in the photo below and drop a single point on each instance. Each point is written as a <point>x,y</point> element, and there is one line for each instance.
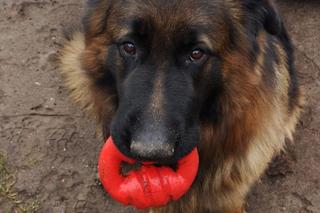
<point>168,14</point>
<point>170,17</point>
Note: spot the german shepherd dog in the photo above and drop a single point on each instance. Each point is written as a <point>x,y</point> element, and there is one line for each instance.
<point>163,77</point>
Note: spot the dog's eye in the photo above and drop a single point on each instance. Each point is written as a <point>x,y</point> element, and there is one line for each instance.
<point>197,55</point>
<point>129,48</point>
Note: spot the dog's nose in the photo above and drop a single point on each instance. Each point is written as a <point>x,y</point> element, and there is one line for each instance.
<point>152,146</point>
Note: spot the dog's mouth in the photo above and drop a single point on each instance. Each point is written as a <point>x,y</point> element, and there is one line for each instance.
<point>126,168</point>
<point>145,184</point>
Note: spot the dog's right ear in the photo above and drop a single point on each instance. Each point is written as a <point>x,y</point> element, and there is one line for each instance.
<point>95,19</point>
<point>263,14</point>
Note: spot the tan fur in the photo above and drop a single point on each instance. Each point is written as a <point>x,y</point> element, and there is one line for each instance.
<point>156,103</point>
<point>74,76</point>
<point>76,79</point>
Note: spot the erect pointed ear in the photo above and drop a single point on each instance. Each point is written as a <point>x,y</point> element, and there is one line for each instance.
<point>263,13</point>
<point>95,19</point>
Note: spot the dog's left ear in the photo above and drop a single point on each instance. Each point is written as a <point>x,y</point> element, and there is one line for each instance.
<point>95,18</point>
<point>263,13</point>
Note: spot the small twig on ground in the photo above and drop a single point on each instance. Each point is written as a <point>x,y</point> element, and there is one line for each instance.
<point>39,115</point>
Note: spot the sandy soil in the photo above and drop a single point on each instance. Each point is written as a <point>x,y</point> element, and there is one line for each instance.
<point>48,149</point>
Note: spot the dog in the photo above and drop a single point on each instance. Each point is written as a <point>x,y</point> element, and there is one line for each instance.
<point>163,77</point>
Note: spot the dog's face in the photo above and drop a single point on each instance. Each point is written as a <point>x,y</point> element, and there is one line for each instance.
<point>167,63</point>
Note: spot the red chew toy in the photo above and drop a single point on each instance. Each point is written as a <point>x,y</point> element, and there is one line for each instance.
<point>150,186</point>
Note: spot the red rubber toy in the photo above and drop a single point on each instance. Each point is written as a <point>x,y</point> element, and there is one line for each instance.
<point>148,187</point>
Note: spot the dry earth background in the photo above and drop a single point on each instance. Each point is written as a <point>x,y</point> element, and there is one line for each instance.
<point>48,149</point>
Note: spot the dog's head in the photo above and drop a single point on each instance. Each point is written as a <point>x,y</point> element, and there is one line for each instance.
<point>165,66</point>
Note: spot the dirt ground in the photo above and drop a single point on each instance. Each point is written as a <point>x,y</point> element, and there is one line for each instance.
<point>48,148</point>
